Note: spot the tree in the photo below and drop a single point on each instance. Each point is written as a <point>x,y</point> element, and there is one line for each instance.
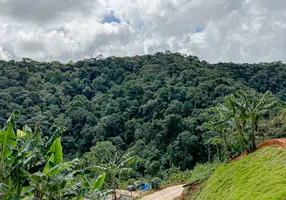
<point>242,111</point>
<point>257,109</point>
<point>110,161</point>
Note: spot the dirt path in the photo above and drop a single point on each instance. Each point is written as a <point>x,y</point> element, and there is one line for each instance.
<point>166,194</point>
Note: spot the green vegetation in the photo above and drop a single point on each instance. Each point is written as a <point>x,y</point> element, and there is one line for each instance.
<point>260,175</point>
<point>154,105</point>
<point>203,171</point>
<point>32,166</point>
<point>233,125</point>
<point>149,118</point>
<point>155,183</point>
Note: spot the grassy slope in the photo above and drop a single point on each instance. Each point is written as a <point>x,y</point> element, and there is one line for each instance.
<point>261,175</point>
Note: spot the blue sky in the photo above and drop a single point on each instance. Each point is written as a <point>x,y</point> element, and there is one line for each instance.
<point>199,29</point>
<point>110,17</point>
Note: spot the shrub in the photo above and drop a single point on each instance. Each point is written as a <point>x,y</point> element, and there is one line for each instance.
<point>203,171</point>
<point>155,183</point>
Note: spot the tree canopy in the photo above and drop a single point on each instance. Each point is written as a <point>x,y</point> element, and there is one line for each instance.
<point>153,105</point>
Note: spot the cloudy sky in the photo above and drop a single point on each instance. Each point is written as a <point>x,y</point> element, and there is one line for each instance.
<point>214,30</point>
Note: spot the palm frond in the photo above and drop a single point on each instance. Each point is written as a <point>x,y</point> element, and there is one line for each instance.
<point>4,190</point>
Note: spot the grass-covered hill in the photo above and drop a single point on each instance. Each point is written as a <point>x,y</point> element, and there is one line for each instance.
<point>154,105</point>
<point>260,175</point>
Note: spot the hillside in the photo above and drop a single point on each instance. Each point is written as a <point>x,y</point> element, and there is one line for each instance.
<point>260,175</point>
<point>153,105</point>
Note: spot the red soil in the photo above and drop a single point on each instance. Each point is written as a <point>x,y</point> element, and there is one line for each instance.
<point>281,143</point>
<point>192,190</point>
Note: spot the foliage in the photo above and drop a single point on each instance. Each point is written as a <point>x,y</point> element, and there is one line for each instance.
<point>234,124</point>
<point>110,161</point>
<point>248,178</point>
<point>155,183</point>
<point>32,165</point>
<point>152,104</point>
<point>174,175</point>
<point>203,171</point>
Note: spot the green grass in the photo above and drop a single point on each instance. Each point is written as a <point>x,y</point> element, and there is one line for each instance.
<point>260,175</point>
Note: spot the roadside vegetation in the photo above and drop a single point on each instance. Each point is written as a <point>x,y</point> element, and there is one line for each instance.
<point>260,175</point>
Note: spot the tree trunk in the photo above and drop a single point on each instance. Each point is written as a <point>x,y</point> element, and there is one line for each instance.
<point>240,128</point>
<point>252,137</point>
<point>217,149</point>
<point>209,153</point>
<point>226,146</point>
<point>113,186</point>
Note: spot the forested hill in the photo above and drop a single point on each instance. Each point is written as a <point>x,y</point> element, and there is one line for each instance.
<point>152,104</point>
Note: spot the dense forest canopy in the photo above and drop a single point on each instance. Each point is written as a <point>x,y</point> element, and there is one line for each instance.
<point>154,105</point>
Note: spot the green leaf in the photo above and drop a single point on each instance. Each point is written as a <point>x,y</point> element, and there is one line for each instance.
<point>28,132</point>
<point>57,155</point>
<point>8,140</point>
<point>4,190</point>
<point>86,183</point>
<point>58,168</point>
<point>126,162</point>
<point>37,176</point>
<point>98,183</point>
<point>49,164</point>
<point>58,152</point>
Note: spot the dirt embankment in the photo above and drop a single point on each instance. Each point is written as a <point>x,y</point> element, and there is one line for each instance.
<point>280,142</point>
<point>189,191</point>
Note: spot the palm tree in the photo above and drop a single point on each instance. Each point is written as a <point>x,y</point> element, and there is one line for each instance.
<point>219,127</point>
<point>257,109</point>
<point>114,165</point>
<point>233,113</point>
<point>241,111</point>
<point>245,109</point>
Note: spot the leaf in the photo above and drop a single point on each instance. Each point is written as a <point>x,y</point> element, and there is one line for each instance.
<point>99,181</point>
<point>127,161</point>
<point>8,140</point>
<point>96,168</point>
<point>4,190</point>
<point>86,183</point>
<point>57,150</point>
<point>37,176</point>
<point>49,164</point>
<point>20,133</point>
<point>28,132</point>
<point>58,168</point>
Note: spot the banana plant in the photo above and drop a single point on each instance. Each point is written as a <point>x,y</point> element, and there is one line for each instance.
<point>23,152</point>
<point>86,189</point>
<point>49,182</point>
<point>257,109</point>
<point>32,166</point>
<point>113,165</point>
<point>11,174</point>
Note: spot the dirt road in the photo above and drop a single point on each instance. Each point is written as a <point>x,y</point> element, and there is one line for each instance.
<point>166,194</point>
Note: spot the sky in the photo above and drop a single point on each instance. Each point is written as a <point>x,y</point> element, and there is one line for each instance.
<point>214,30</point>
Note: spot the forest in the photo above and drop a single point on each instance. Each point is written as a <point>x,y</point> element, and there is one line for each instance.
<point>157,113</point>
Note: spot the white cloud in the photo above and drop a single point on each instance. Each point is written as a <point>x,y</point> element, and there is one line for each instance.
<point>237,31</point>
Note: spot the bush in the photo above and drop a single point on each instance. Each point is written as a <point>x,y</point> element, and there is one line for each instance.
<point>203,171</point>
<point>155,183</point>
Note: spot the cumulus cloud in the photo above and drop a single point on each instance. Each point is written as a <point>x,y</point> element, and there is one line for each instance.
<point>217,30</point>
